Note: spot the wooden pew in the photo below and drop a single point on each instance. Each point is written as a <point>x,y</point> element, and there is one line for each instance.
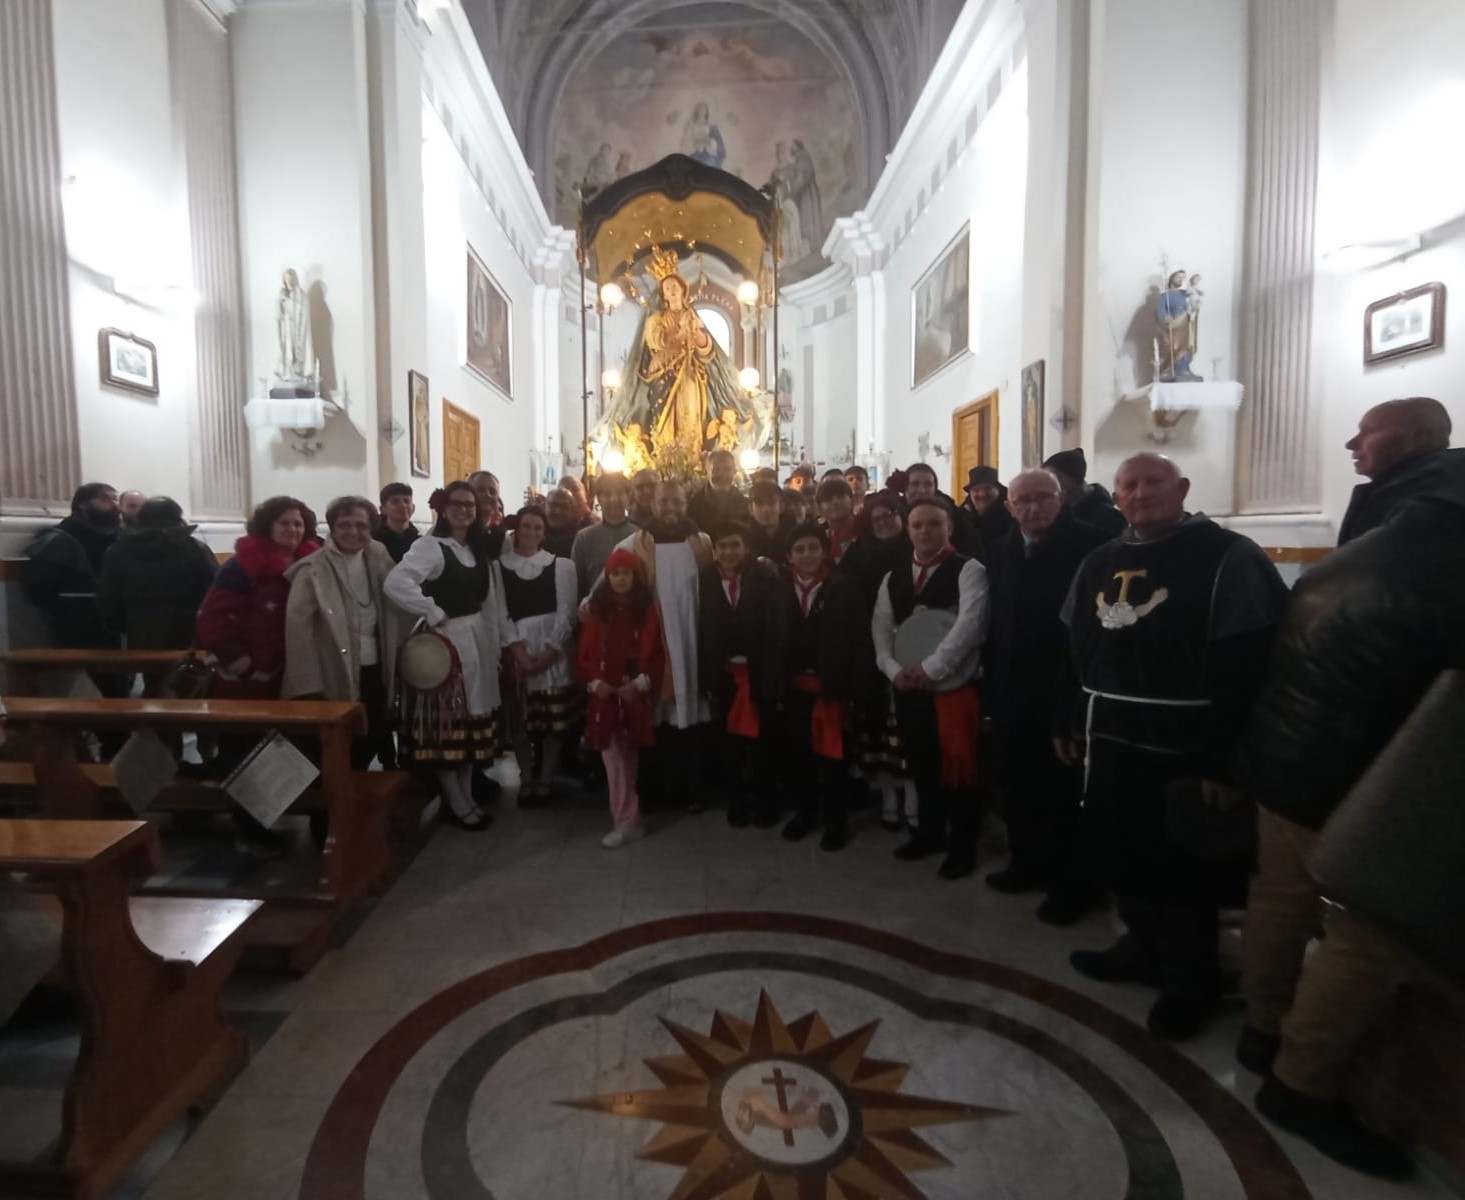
<point>24,668</point>
<point>147,975</point>
<point>357,857</point>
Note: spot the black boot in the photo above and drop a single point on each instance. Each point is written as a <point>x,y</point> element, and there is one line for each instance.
<point>1333,1129</point>
<point>1124,962</point>
<point>1256,1051</point>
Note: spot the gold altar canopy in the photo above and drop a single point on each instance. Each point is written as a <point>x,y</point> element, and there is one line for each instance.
<point>681,395</point>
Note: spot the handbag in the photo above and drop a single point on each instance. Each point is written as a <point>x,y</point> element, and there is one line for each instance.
<point>1209,832</point>
<point>192,679</point>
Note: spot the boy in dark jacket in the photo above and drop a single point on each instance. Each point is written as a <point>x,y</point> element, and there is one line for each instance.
<point>154,579</point>
<point>736,593</point>
<point>819,660</point>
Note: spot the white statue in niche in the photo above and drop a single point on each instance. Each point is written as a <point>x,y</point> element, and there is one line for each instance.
<point>293,323</point>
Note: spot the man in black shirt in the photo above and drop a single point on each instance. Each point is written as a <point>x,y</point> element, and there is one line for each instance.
<point>396,531</point>
<point>720,502</point>
<point>1401,448</point>
<point>1088,502</point>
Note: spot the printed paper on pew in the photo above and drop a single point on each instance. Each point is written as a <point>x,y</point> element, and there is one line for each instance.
<point>271,779</point>
<point>143,768</point>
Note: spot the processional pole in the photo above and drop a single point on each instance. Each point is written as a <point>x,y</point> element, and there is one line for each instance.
<point>584,364</point>
<point>777,435</point>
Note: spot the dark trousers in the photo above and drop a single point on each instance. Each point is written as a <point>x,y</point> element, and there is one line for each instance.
<point>744,769</point>
<point>946,814</point>
<point>1040,803</point>
<point>819,791</point>
<point>673,768</point>
<point>1168,899</point>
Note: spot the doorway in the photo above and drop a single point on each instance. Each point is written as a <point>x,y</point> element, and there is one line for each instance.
<point>461,443</point>
<point>973,440</point>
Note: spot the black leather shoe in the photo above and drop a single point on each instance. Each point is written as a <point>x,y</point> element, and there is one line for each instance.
<point>1064,908</point>
<point>958,865</point>
<point>834,838</point>
<point>737,815</point>
<point>798,829</point>
<point>766,818</point>
<point>918,848</point>
<point>475,822</point>
<point>1014,880</point>
<point>1333,1129</point>
<point>1256,1051</point>
<point>1180,1016</point>
<point>1123,962</point>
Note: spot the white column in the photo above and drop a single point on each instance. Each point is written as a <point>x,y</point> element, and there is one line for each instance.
<point>856,245</point>
<point>1277,460</point>
<point>204,110</point>
<point>550,286</point>
<point>40,453</point>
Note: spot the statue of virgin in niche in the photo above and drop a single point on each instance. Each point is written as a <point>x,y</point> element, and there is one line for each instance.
<point>293,323</point>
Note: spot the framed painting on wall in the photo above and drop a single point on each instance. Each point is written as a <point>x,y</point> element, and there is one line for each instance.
<point>940,310</point>
<point>1032,415</point>
<point>1404,324</point>
<point>419,422</point>
<point>488,328</point>
<point>128,362</point>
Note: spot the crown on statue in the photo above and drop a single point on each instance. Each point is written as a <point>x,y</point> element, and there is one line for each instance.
<point>663,263</point>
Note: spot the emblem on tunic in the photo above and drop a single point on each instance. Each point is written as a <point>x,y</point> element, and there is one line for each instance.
<point>1122,614</point>
<point>770,1108</point>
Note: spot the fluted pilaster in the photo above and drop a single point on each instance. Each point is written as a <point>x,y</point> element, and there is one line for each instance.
<point>1277,468</point>
<point>40,454</point>
<point>203,100</point>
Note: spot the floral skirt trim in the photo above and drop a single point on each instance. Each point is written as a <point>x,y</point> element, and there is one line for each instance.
<point>880,746</point>
<point>474,739</point>
<point>556,710</point>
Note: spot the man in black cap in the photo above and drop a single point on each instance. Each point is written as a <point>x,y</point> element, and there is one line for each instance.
<point>986,501</point>
<point>1089,503</point>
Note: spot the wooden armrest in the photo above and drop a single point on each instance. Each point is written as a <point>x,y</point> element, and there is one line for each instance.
<point>184,715</point>
<point>52,659</point>
<point>59,848</point>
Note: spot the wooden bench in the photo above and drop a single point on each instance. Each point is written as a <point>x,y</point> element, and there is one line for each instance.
<point>24,668</point>
<point>357,857</point>
<point>146,974</point>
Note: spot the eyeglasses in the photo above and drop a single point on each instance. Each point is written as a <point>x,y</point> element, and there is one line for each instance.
<point>1035,502</point>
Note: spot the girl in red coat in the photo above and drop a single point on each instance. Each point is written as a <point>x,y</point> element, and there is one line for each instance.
<point>621,662</point>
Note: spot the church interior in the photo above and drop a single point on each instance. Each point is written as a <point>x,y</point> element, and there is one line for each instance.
<point>266,258</point>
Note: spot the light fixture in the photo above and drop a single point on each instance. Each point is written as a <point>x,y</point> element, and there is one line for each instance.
<point>749,460</point>
<point>610,378</point>
<point>749,378</point>
<point>614,461</point>
<point>748,292</point>
<point>611,295</point>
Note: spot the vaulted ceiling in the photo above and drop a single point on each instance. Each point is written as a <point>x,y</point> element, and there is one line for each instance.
<point>877,53</point>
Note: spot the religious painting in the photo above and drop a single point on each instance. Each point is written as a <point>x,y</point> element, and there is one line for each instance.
<point>128,362</point>
<point>418,424</point>
<point>1032,415</point>
<point>1408,323</point>
<point>757,99</point>
<point>940,309</point>
<point>488,327</point>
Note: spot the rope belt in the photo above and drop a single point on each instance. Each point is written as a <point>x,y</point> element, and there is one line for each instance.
<point>1088,727</point>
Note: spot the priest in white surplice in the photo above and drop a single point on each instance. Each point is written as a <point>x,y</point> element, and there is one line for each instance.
<point>673,551</point>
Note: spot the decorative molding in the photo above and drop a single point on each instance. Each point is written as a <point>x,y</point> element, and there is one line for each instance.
<point>40,448</point>
<point>1277,460</point>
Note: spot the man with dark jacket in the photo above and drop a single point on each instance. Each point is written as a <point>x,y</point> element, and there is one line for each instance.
<point>396,531</point>
<point>1088,502</point>
<point>1170,628</point>
<point>154,578</point>
<point>720,501</point>
<point>986,505</point>
<point>1368,632</point>
<point>921,484</point>
<point>1401,447</point>
<point>1029,572</point>
<point>66,563</point>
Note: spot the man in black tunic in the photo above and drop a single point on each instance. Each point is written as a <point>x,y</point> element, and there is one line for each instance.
<point>1170,628</point>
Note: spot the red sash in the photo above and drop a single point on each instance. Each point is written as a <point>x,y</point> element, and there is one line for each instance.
<point>742,715</point>
<point>958,724</point>
<point>826,728</point>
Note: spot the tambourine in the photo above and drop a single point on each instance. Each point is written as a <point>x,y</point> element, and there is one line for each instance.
<point>919,635</point>
<point>426,661</point>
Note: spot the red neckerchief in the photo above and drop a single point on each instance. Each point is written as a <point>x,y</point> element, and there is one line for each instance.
<point>928,565</point>
<point>731,579</point>
<point>840,537</point>
<point>805,591</point>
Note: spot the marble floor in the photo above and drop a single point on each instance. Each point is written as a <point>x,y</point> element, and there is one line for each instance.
<point>716,1013</point>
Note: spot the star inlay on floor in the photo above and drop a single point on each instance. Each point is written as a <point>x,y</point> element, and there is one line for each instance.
<point>770,1110</point>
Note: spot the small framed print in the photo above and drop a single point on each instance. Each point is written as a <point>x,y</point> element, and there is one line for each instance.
<point>1032,414</point>
<point>128,362</point>
<point>1408,323</point>
<point>419,424</point>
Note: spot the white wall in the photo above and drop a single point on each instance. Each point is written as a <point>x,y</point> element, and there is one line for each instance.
<point>455,215</point>
<point>984,188</point>
<point>1167,169</point>
<point>1389,168</point>
<point>127,215</point>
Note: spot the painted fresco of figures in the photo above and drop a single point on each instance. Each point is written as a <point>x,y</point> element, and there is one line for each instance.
<point>806,192</point>
<point>701,139</point>
<point>601,169</point>
<point>795,243</point>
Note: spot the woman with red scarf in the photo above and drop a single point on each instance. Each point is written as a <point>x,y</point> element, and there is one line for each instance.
<point>242,624</point>
<point>621,662</point>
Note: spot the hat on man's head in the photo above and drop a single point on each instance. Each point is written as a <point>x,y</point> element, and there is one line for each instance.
<point>982,477</point>
<point>1069,462</point>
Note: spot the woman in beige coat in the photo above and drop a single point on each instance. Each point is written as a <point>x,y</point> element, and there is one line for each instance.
<point>341,633</point>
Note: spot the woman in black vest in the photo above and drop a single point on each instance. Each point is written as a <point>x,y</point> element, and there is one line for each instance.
<point>449,583</point>
<point>541,591</point>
